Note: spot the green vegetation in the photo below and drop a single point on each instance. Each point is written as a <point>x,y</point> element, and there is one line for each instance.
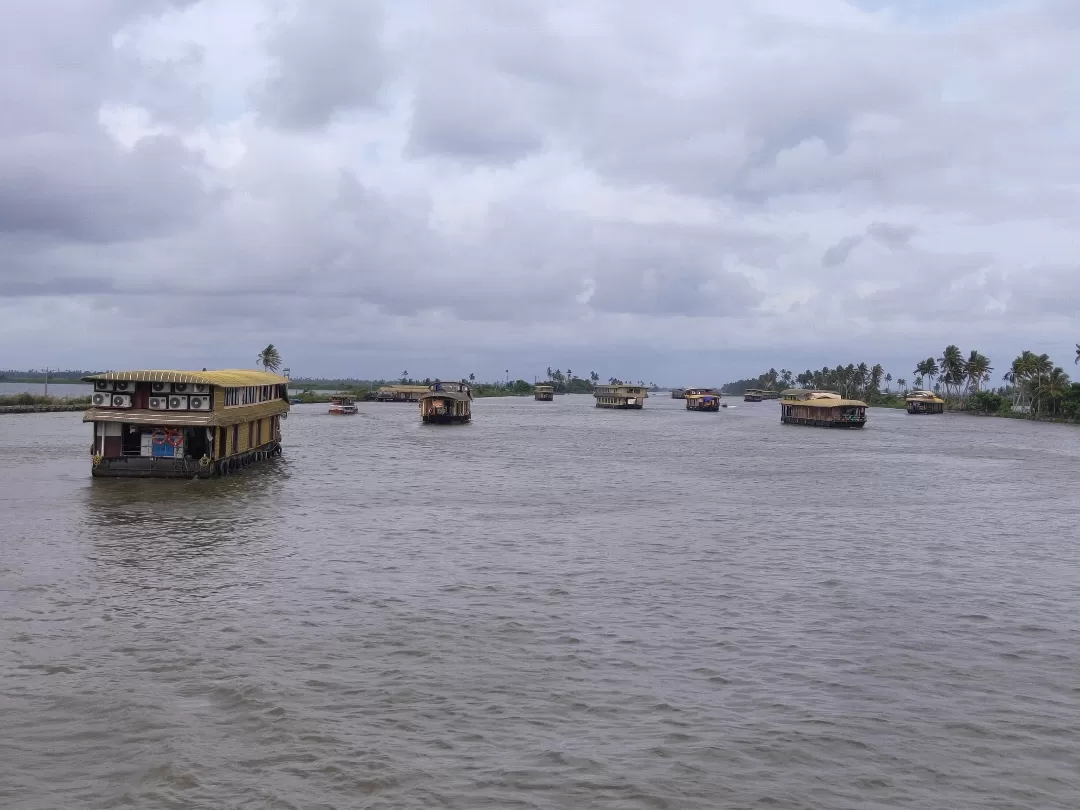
<point>1034,387</point>
<point>33,375</point>
<point>43,402</point>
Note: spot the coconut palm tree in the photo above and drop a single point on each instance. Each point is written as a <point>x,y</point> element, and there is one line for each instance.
<point>1049,390</point>
<point>1077,360</point>
<point>952,369</point>
<point>901,383</point>
<point>472,378</point>
<point>926,370</point>
<point>269,358</point>
<point>977,369</point>
<point>888,383</point>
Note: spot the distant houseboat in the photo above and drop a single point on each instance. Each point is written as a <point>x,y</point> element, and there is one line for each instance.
<point>770,395</point>
<point>184,424</point>
<point>821,408</point>
<point>752,395</point>
<point>621,396</point>
<point>400,393</point>
<point>343,406</point>
<point>678,393</point>
<point>702,399</point>
<point>544,393</point>
<point>446,403</point>
<point>924,402</point>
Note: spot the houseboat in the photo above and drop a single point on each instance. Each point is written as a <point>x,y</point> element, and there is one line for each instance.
<point>446,403</point>
<point>924,402</point>
<point>400,393</point>
<point>702,399</point>
<point>621,396</point>
<point>770,394</point>
<point>544,393</point>
<point>800,406</point>
<point>184,424</point>
<point>343,406</point>
<point>752,395</point>
<point>678,393</point>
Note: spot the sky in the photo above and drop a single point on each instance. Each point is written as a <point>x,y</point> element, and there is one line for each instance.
<point>680,191</point>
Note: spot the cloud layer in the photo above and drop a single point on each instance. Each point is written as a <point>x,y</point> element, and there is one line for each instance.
<point>459,187</point>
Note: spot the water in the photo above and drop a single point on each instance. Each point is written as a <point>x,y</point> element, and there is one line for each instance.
<point>55,389</point>
<point>552,607</point>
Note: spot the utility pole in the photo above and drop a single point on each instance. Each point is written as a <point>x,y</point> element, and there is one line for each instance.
<point>46,380</point>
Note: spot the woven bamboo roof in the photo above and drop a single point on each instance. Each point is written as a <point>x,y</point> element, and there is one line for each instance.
<point>828,403</point>
<point>924,396</point>
<point>222,418</point>
<point>544,387</point>
<point>227,378</point>
<point>460,396</point>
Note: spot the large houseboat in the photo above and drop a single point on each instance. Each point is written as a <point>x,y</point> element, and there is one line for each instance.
<point>400,393</point>
<point>800,406</point>
<point>702,399</point>
<point>621,396</point>
<point>678,393</point>
<point>446,403</point>
<point>924,402</point>
<point>544,393</point>
<point>184,424</point>
<point>343,406</point>
<point>770,394</point>
<point>752,395</point>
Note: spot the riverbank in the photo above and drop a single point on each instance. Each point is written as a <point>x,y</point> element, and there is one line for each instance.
<point>33,403</point>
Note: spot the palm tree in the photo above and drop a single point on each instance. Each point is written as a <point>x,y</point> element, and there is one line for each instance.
<point>888,382</point>
<point>1077,360</point>
<point>594,376</point>
<point>404,377</point>
<point>472,378</point>
<point>977,367</point>
<point>269,358</point>
<point>952,368</point>
<point>901,383</point>
<point>1050,389</point>
<point>927,370</point>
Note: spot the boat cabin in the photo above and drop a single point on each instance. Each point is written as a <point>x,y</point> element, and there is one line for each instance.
<point>800,406</point>
<point>184,424</point>
<point>400,393</point>
<point>770,394</point>
<point>544,393</point>
<point>752,395</point>
<point>702,399</point>
<point>342,405</point>
<point>920,402</point>
<point>678,393</point>
<point>446,403</point>
<point>621,396</point>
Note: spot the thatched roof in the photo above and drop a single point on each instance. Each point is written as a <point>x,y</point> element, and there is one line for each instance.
<point>460,396</point>
<point>924,396</point>
<point>228,378</point>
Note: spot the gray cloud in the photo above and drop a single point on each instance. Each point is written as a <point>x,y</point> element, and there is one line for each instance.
<point>536,176</point>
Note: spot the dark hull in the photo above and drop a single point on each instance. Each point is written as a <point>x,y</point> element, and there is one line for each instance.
<point>921,412</point>
<point>446,419</point>
<point>545,398</point>
<point>621,407</point>
<point>713,408</point>
<point>751,399</point>
<point>830,423</point>
<point>150,467</point>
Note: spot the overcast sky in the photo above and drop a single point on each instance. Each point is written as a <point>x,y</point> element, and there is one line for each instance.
<point>672,191</point>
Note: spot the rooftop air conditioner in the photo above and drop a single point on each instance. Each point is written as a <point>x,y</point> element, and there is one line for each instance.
<point>181,388</point>
<point>125,386</point>
<point>199,388</point>
<point>178,403</point>
<point>161,387</point>
<point>102,399</point>
<point>199,402</point>
<point>103,385</point>
<point>121,400</point>
<point>159,403</point>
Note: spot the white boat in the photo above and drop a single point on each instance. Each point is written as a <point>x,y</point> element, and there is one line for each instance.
<point>342,406</point>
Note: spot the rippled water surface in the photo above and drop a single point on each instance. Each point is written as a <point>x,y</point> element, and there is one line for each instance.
<point>552,607</point>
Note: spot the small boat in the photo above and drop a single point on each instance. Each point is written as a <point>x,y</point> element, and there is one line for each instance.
<point>800,406</point>
<point>295,400</point>
<point>343,406</point>
<point>702,399</point>
<point>678,393</point>
<point>622,397</point>
<point>752,395</point>
<point>544,393</point>
<point>921,402</point>
<point>446,403</point>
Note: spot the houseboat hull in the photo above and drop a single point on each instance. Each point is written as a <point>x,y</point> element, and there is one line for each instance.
<point>622,406</point>
<point>713,407</point>
<point>446,419</point>
<point>751,399</point>
<point>829,423</point>
<point>344,410</point>
<point>544,397</point>
<point>921,409</point>
<point>151,467</point>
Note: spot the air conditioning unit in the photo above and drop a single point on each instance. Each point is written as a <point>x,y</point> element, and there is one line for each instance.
<point>161,388</point>
<point>181,388</point>
<point>121,400</point>
<point>103,385</point>
<point>159,403</point>
<point>199,388</point>
<point>178,403</point>
<point>199,402</point>
<point>101,399</point>
<point>125,386</point>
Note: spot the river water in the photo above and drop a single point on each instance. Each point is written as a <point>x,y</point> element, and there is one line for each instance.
<point>553,607</point>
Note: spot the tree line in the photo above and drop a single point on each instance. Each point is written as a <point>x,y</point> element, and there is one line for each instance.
<point>1033,383</point>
